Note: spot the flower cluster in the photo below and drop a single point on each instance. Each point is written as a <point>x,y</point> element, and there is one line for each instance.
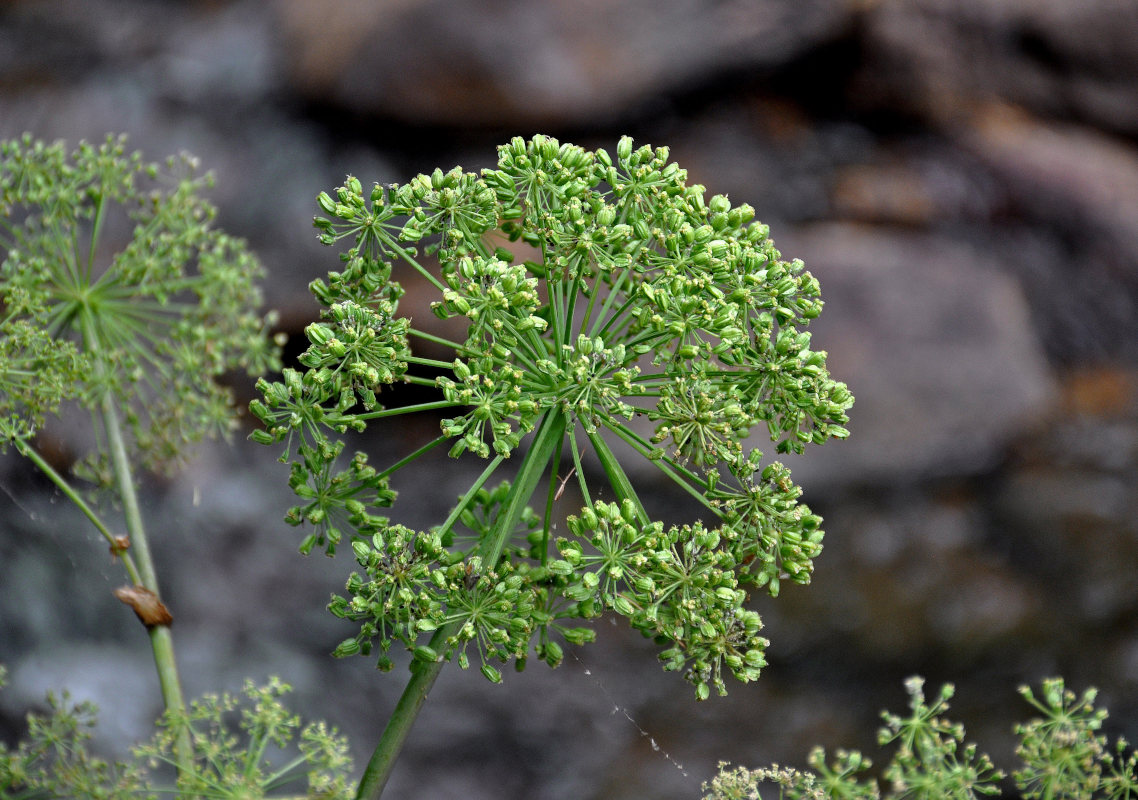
<point>1064,752</point>
<point>149,328</point>
<point>239,748</point>
<point>678,585</point>
<point>627,294</point>
<point>1063,755</point>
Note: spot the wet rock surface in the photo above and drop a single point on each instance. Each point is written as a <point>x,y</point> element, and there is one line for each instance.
<point>961,177</point>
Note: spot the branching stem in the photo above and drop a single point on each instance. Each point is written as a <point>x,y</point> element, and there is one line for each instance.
<point>26,450</point>
<point>161,642</point>
<point>423,675</point>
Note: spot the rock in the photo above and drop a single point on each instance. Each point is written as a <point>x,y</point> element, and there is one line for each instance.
<point>1079,179</point>
<point>767,154</point>
<point>935,342</point>
<point>907,572</point>
<point>103,674</point>
<point>1055,57</point>
<point>961,177</point>
<point>893,192</point>
<point>515,64</point>
<point>1100,392</point>
<point>1067,501</point>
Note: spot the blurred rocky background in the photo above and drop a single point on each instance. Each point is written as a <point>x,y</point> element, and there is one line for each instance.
<point>962,177</point>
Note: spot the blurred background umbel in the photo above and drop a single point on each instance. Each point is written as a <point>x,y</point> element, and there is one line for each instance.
<point>962,177</point>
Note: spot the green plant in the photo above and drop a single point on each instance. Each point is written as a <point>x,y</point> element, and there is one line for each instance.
<point>236,750</point>
<point>596,290</point>
<point>636,297</point>
<point>1063,756</point>
<point>118,297</point>
<point>53,761</point>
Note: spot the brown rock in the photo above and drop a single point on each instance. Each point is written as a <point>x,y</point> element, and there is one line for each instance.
<point>883,193</point>
<point>1100,392</point>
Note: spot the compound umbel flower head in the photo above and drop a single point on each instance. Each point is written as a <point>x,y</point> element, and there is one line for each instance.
<point>114,284</point>
<point>637,297</point>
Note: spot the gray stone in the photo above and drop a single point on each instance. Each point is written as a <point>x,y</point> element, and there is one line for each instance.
<point>935,342</point>
<point>1081,179</point>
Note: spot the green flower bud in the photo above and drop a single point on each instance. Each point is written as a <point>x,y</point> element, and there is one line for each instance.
<point>491,674</point>
<point>560,567</point>
<point>519,626</point>
<point>624,148</point>
<point>628,510</point>
<point>589,518</point>
<point>553,654</point>
<point>644,584</point>
<point>318,333</point>
<point>262,437</point>
<point>582,594</point>
<point>348,647</point>
<point>362,551</point>
<point>579,636</point>
<point>622,606</point>
<point>425,654</point>
<point>728,596</point>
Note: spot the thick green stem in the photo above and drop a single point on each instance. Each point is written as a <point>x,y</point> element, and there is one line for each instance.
<point>553,493</point>
<point>392,412</point>
<point>545,445</point>
<point>401,463</point>
<point>125,480</point>
<point>402,718</point>
<point>161,641</point>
